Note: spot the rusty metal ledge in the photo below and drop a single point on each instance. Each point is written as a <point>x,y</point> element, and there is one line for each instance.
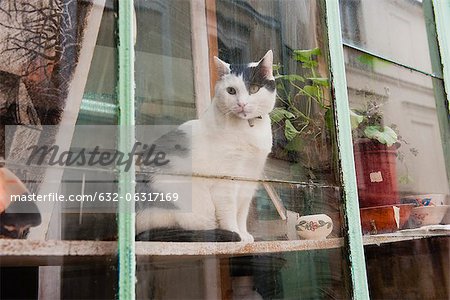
<point>52,252</point>
<point>44,253</point>
<point>232,248</point>
<point>399,237</point>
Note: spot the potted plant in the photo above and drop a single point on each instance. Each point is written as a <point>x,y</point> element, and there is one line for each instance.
<point>301,117</point>
<point>376,151</point>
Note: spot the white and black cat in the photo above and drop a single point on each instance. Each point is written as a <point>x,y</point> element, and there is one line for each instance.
<point>232,139</point>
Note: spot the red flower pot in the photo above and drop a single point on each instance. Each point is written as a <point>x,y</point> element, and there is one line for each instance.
<point>376,173</point>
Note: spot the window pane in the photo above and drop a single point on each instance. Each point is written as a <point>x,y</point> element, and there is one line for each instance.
<point>312,274</point>
<point>411,110</point>
<point>303,118</point>
<point>393,29</point>
<point>224,154</point>
<point>401,173</point>
<point>164,66</point>
<point>58,70</point>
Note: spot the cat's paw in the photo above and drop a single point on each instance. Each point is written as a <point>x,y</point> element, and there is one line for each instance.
<point>246,237</point>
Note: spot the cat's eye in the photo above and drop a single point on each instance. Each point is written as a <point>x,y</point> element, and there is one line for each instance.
<point>254,88</point>
<point>231,90</point>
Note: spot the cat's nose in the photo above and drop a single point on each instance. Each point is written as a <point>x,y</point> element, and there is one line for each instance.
<point>241,104</point>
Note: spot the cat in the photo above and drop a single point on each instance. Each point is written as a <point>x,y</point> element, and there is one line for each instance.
<point>233,139</point>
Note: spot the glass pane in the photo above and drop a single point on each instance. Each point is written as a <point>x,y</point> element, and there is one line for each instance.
<point>401,172</point>
<point>58,70</point>
<point>393,29</point>
<point>268,276</point>
<point>164,66</point>
<point>303,118</point>
<point>261,179</point>
<point>408,113</point>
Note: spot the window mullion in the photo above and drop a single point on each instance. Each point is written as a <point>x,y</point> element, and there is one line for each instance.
<point>441,62</point>
<point>442,15</point>
<point>126,178</point>
<point>354,240</point>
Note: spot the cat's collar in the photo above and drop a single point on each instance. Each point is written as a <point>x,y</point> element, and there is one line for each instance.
<point>251,122</point>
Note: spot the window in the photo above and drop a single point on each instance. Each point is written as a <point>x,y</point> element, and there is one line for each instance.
<point>343,95</point>
<point>298,179</point>
<point>394,84</point>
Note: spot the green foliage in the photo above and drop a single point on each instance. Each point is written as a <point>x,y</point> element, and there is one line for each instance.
<point>368,123</point>
<point>294,89</point>
<point>384,135</point>
<point>289,130</point>
<point>291,77</point>
<point>320,81</point>
<point>303,115</point>
<point>279,114</point>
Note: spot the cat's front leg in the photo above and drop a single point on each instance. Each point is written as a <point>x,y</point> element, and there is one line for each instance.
<point>242,224</point>
<point>224,198</point>
<point>226,215</point>
<point>245,195</point>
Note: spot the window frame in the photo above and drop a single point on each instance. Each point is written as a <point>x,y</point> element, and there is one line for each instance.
<point>354,241</point>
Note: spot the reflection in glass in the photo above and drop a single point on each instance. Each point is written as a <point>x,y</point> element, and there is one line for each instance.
<point>312,274</point>
<point>47,49</point>
<point>401,174</point>
<point>300,176</point>
<point>164,66</point>
<point>97,110</point>
<point>393,29</point>
<point>405,102</point>
<point>302,119</point>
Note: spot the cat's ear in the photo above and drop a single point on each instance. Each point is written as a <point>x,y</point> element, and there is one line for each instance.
<point>222,67</point>
<point>265,65</point>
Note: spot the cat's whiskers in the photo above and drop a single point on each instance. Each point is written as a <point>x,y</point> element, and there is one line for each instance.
<point>229,112</point>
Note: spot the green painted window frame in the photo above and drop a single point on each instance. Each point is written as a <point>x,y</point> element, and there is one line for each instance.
<point>353,236</point>
<point>126,139</point>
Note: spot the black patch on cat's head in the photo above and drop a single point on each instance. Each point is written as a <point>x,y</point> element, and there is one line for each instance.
<point>253,75</point>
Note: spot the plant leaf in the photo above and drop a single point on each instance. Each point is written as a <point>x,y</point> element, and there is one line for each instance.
<point>319,81</point>
<point>312,90</point>
<point>310,64</point>
<point>384,135</point>
<point>291,77</point>
<point>305,55</point>
<point>355,119</point>
<point>289,131</point>
<point>279,114</point>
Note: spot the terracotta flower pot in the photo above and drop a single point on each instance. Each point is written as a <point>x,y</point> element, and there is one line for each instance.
<point>376,173</point>
<point>385,219</point>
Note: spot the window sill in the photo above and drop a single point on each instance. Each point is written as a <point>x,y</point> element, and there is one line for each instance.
<point>52,252</point>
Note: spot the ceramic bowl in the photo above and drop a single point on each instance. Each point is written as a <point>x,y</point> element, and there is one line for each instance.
<point>314,227</point>
<point>426,199</point>
<point>427,215</point>
<point>384,219</point>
